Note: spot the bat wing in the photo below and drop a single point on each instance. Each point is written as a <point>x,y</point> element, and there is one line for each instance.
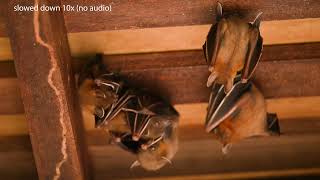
<point>253,56</point>
<point>216,96</point>
<point>211,45</point>
<point>109,113</point>
<point>147,113</point>
<point>227,106</point>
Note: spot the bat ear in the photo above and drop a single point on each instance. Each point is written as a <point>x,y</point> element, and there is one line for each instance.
<point>257,20</point>
<point>135,164</point>
<point>219,11</point>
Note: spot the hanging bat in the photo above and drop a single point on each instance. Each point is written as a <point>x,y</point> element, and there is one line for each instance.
<point>232,46</point>
<point>136,120</point>
<point>239,114</point>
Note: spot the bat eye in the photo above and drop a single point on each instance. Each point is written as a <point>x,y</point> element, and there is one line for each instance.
<point>153,148</point>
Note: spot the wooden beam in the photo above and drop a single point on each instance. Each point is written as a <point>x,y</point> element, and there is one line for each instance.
<point>163,13</point>
<point>303,108</point>
<point>285,71</point>
<point>176,38</point>
<point>204,156</point>
<point>43,64</point>
<point>302,173</point>
<point>141,61</point>
<point>292,154</point>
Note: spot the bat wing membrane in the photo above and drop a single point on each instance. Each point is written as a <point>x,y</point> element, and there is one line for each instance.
<point>211,45</point>
<point>226,106</point>
<point>253,56</point>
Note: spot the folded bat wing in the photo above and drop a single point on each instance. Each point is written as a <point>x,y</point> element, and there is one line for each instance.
<point>253,56</point>
<point>211,45</point>
<point>223,104</point>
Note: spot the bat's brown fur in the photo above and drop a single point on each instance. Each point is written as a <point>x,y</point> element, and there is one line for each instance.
<point>234,35</point>
<point>231,46</point>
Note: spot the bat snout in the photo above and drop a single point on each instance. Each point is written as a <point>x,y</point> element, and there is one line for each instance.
<point>135,137</point>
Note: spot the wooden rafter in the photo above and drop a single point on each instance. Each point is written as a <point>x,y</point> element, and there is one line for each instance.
<point>163,13</point>
<point>43,65</point>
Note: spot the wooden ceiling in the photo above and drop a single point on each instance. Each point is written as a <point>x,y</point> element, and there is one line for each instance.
<point>157,44</point>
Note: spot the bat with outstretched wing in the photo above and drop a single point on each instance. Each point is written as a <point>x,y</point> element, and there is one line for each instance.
<point>136,120</point>
<point>232,46</point>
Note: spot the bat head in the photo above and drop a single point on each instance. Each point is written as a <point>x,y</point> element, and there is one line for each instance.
<point>159,152</point>
<point>232,45</point>
<point>155,158</point>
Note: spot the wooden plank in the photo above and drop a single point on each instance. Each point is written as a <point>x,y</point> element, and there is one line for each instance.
<point>162,13</point>
<point>191,132</point>
<point>170,74</point>
<point>201,157</point>
<point>182,85</point>
<point>307,173</point>
<point>10,98</point>
<point>285,155</point>
<point>13,125</point>
<point>185,37</point>
<point>187,84</point>
<point>194,114</point>
<point>16,158</point>
<point>42,60</point>
<point>176,38</point>
<point>286,108</point>
<point>141,61</point>
<point>195,58</point>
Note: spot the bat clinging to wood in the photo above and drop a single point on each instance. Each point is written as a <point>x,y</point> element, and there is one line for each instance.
<point>136,120</point>
<point>239,114</point>
<point>232,46</point>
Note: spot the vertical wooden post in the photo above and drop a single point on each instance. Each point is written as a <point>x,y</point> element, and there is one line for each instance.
<point>43,64</point>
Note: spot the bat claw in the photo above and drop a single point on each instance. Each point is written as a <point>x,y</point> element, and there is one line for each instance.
<point>226,148</point>
<point>213,76</point>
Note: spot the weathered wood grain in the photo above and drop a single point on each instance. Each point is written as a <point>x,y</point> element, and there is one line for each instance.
<point>43,64</point>
<point>163,13</point>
